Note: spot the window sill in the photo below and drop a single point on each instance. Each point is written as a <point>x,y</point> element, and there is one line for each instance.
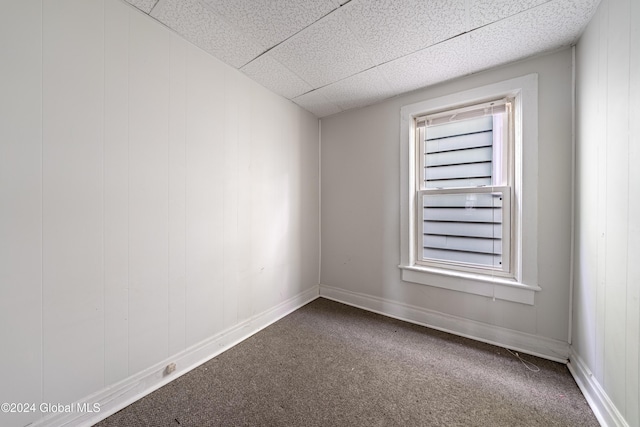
<point>477,284</point>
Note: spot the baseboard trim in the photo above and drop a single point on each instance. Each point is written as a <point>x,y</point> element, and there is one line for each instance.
<point>600,403</point>
<point>118,396</point>
<point>526,343</point>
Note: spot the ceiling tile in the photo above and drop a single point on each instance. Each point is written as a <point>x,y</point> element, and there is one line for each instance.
<point>356,91</point>
<point>324,52</point>
<point>435,64</point>
<point>276,77</point>
<point>143,5</point>
<point>317,104</point>
<point>389,29</point>
<point>483,12</point>
<point>543,28</point>
<point>202,27</point>
<point>269,22</point>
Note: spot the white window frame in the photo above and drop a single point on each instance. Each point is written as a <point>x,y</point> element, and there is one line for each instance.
<point>522,282</point>
<point>503,168</point>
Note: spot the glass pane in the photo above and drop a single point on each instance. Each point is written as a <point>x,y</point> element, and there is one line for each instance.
<point>463,228</point>
<point>459,154</point>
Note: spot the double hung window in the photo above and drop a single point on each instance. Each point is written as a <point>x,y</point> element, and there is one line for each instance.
<point>464,186</point>
<point>468,202</point>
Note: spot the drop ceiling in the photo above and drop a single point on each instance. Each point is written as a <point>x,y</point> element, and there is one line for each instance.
<point>333,55</point>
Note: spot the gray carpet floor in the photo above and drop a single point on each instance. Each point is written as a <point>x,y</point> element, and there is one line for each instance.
<point>329,364</point>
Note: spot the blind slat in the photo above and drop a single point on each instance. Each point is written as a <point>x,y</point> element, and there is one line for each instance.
<point>466,257</point>
<point>451,183</point>
<point>463,201</point>
<point>478,170</point>
<point>489,215</point>
<point>460,142</point>
<point>465,244</point>
<point>490,231</point>
<point>473,155</point>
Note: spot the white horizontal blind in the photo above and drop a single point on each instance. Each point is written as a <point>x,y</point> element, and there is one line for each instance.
<point>464,211</point>
<point>459,154</point>
<point>464,227</point>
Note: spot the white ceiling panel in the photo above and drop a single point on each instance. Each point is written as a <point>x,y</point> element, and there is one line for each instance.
<point>333,55</point>
<point>324,52</point>
<point>316,103</point>
<point>435,64</point>
<point>543,28</point>
<point>275,77</point>
<point>198,24</point>
<point>390,29</point>
<point>269,22</point>
<point>143,5</point>
<point>483,12</point>
<point>356,91</point>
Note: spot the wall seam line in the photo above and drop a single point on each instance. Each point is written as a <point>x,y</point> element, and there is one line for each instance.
<point>104,186</point>
<point>573,191</point>
<point>319,201</point>
<point>128,192</point>
<point>169,198</point>
<point>42,201</point>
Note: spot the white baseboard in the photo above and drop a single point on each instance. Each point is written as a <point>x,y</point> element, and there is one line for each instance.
<point>115,397</point>
<point>526,343</point>
<point>604,409</point>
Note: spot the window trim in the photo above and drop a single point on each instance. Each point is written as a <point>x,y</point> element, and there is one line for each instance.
<point>522,287</point>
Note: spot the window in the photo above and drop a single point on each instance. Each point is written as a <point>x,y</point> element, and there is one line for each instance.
<point>463,188</point>
<point>469,201</point>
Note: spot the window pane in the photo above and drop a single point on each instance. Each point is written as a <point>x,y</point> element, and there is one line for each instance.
<point>460,152</point>
<point>463,227</point>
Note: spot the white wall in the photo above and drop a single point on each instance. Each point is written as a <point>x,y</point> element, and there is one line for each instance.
<point>151,197</point>
<point>361,214</point>
<point>606,315</point>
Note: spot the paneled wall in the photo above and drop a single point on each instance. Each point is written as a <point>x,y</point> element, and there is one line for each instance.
<point>606,314</point>
<point>150,198</point>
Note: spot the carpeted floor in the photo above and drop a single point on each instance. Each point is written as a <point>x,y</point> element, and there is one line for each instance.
<point>328,364</point>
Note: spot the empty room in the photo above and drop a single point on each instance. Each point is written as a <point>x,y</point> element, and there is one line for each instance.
<point>319,212</point>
